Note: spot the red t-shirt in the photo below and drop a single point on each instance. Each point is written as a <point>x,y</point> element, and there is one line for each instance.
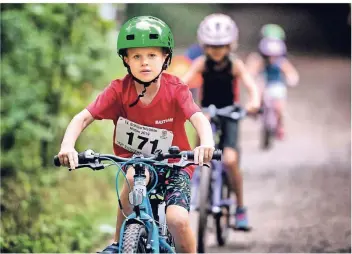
<point>170,108</point>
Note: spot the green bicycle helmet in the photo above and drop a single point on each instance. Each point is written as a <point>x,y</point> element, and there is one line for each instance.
<point>142,32</point>
<point>273,31</point>
<point>145,31</point>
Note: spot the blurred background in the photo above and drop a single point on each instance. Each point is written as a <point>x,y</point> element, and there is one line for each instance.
<point>55,58</point>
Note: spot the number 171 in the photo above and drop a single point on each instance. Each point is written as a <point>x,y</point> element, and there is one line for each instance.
<point>144,140</point>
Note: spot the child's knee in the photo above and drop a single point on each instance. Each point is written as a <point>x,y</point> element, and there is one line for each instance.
<point>177,219</point>
<point>230,158</point>
<point>130,179</point>
<point>279,105</point>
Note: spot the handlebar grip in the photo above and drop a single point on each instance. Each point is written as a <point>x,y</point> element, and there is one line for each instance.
<point>57,161</point>
<point>190,155</point>
<point>216,155</point>
<point>81,159</point>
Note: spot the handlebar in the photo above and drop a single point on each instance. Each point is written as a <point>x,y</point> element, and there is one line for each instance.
<point>93,160</point>
<point>235,111</point>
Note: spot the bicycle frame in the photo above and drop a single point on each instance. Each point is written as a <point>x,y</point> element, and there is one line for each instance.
<point>269,118</point>
<point>143,214</point>
<point>140,198</point>
<point>218,168</point>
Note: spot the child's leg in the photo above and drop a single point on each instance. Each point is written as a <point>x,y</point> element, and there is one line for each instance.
<point>180,228</point>
<point>229,140</point>
<point>177,197</point>
<point>278,93</point>
<point>230,159</point>
<point>279,106</point>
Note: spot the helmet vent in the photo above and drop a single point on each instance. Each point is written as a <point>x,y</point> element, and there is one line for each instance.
<point>130,37</point>
<point>153,36</point>
<point>151,17</point>
<point>217,26</point>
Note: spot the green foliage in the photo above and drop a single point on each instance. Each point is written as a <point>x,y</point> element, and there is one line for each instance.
<point>56,214</point>
<point>50,58</point>
<point>54,60</point>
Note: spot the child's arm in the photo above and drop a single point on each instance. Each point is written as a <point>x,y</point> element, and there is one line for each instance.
<point>196,67</point>
<point>254,63</point>
<point>204,152</point>
<point>105,106</point>
<point>240,71</point>
<point>290,72</point>
<point>68,155</point>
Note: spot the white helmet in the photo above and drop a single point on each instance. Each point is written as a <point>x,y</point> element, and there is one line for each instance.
<point>217,29</point>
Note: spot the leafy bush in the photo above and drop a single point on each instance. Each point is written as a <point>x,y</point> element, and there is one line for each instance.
<point>54,60</point>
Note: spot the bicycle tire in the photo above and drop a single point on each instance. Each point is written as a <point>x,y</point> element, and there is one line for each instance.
<point>134,239</point>
<point>222,220</point>
<point>204,197</point>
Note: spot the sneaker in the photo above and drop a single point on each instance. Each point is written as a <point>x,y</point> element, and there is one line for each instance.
<point>113,248</point>
<point>241,219</point>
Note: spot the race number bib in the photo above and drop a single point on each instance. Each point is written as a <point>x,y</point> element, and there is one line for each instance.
<point>137,138</point>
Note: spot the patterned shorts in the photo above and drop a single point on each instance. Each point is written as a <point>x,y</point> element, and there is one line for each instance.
<point>174,187</point>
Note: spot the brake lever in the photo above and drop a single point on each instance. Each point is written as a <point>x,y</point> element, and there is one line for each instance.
<point>187,164</point>
<point>94,166</point>
<point>97,166</point>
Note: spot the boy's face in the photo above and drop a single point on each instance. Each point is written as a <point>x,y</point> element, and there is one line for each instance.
<point>217,53</point>
<point>145,63</point>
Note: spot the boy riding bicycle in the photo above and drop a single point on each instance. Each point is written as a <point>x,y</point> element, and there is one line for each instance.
<point>145,103</point>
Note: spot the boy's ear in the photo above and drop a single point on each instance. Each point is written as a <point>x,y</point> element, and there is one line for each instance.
<point>125,58</point>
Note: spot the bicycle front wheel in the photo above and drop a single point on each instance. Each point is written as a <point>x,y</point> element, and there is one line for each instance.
<point>204,197</point>
<point>134,239</point>
<point>222,219</point>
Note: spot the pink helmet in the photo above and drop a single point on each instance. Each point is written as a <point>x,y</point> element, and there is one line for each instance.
<point>217,29</point>
<point>272,47</point>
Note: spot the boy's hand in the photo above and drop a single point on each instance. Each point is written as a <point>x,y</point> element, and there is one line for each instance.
<point>203,154</point>
<point>68,157</point>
